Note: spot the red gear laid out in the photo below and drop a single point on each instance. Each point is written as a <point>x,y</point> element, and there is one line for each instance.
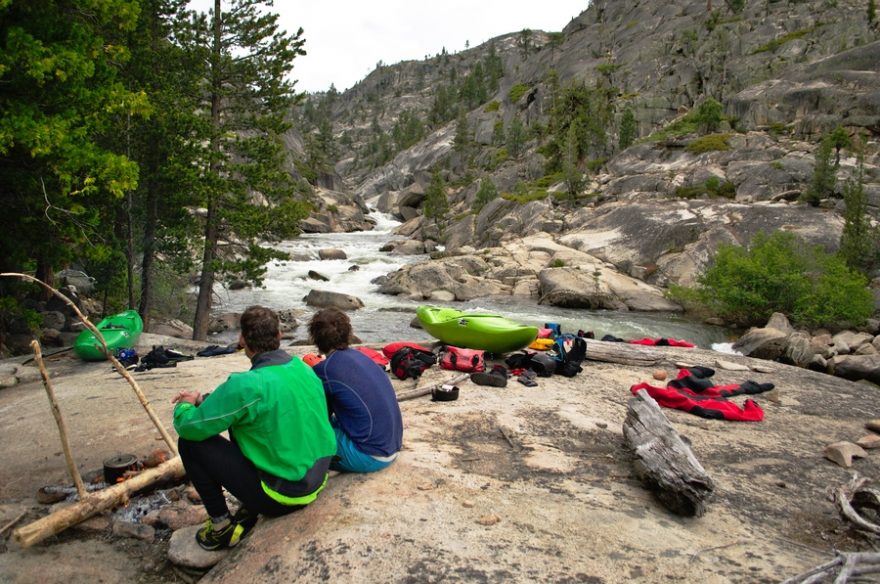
<point>662,342</point>
<point>703,406</point>
<point>694,382</point>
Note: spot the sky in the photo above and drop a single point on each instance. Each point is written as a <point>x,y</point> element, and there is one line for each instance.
<point>345,39</point>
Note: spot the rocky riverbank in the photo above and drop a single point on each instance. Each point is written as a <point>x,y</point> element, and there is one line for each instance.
<point>505,483</point>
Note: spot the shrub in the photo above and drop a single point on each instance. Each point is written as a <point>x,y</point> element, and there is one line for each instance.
<point>517,91</point>
<point>492,106</point>
<point>558,263</point>
<point>709,143</point>
<point>780,273</point>
<point>778,42</point>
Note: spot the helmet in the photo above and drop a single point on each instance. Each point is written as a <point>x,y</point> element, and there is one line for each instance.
<point>127,356</point>
<point>542,364</point>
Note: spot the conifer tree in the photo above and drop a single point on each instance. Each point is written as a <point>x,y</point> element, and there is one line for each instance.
<point>486,193</point>
<point>436,203</point>
<point>627,129</point>
<point>824,174</point>
<point>858,242</point>
<point>516,138</point>
<point>248,96</point>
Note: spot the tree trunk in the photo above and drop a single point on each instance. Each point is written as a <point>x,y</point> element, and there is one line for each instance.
<point>206,281</point>
<point>145,306</point>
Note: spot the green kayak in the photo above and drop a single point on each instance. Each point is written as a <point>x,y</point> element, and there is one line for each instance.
<point>490,332</point>
<point>120,331</point>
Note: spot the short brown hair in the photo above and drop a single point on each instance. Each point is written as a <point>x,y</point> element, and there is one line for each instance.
<point>259,327</point>
<point>330,329</point>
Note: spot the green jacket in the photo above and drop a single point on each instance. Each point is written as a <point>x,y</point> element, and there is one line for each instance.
<point>276,412</point>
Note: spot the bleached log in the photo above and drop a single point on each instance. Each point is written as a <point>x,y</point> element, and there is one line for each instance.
<point>94,503</point>
<point>623,353</point>
<point>427,389</point>
<point>663,460</point>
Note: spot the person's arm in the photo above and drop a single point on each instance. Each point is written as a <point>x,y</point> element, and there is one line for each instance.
<point>197,418</point>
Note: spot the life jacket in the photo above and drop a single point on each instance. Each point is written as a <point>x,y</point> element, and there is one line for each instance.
<point>391,348</point>
<point>410,362</point>
<point>467,360</point>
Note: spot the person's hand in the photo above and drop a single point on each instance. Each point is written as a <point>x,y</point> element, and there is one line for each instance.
<point>190,397</point>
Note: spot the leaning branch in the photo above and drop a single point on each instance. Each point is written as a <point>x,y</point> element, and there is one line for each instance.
<point>116,364</point>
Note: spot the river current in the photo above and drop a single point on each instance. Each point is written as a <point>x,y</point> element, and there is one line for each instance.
<point>387,318</point>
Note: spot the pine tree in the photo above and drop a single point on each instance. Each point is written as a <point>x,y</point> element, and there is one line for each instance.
<point>436,204</point>
<point>516,138</point>
<point>486,193</point>
<point>249,95</point>
<point>462,141</point>
<point>824,175</point>
<point>858,242</point>
<point>628,129</point>
<point>571,169</point>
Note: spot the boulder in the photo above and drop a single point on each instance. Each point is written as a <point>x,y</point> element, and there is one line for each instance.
<point>183,550</point>
<point>330,253</point>
<point>313,275</point>
<point>287,320</point>
<point>325,298</point>
<point>181,514</point>
<point>852,339</point>
<point>600,288</point>
<point>780,322</point>
<point>224,322</point>
<point>856,367</point>
<point>172,328</point>
<point>409,247</point>
<point>54,319</point>
<point>869,441</point>
<point>797,349</point>
<point>762,343</point>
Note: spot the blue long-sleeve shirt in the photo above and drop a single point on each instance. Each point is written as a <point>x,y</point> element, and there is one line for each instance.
<point>361,396</point>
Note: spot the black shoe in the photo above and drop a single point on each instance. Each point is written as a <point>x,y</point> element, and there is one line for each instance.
<point>246,519</point>
<point>497,377</point>
<point>215,539</point>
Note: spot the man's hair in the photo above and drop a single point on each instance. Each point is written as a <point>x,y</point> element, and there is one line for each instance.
<point>330,329</point>
<point>259,327</point>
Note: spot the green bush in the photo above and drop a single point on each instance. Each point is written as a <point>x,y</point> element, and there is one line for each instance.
<point>778,42</point>
<point>709,143</point>
<point>713,187</point>
<point>492,106</point>
<point>517,91</point>
<point>780,273</point>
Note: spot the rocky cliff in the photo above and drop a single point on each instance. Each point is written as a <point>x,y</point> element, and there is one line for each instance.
<point>656,210</point>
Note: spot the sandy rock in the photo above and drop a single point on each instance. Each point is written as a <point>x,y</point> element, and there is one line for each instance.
<point>488,520</point>
<point>731,366</point>
<point>763,369</point>
<point>95,524</point>
<point>779,321</point>
<point>659,375</point>
<point>184,551</point>
<point>817,363</point>
<point>856,367</point>
<point>873,425</point>
<point>762,343</point>
<point>180,515</point>
<point>869,441</point>
<point>172,328</point>
<point>842,453</point>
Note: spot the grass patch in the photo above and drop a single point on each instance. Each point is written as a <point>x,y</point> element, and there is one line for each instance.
<point>492,106</point>
<point>713,188</point>
<point>709,143</point>
<point>517,91</point>
<point>525,196</point>
<point>677,129</point>
<point>779,41</point>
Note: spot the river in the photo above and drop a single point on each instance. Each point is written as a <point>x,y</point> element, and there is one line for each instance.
<point>387,318</point>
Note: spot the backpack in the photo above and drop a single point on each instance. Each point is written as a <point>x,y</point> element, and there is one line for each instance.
<point>467,360</point>
<point>409,362</point>
<point>570,354</point>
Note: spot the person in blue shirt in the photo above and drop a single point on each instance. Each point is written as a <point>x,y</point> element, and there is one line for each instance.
<point>361,401</point>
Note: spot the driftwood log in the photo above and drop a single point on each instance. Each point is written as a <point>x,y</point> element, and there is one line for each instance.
<point>624,354</point>
<point>841,568</point>
<point>856,496</point>
<point>96,502</point>
<point>663,460</point>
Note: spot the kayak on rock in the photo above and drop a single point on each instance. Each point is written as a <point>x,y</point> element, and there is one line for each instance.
<point>120,331</point>
<point>486,331</point>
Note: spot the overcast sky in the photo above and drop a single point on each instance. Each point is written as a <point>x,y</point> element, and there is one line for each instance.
<point>346,38</point>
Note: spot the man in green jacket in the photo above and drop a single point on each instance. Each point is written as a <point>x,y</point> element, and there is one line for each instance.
<point>280,440</point>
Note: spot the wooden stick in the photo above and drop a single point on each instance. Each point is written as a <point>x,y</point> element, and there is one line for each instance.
<point>13,522</point>
<point>425,390</point>
<point>59,420</point>
<point>96,502</point>
<point>172,444</point>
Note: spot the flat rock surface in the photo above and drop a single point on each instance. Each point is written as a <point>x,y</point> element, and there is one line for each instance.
<point>514,484</point>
